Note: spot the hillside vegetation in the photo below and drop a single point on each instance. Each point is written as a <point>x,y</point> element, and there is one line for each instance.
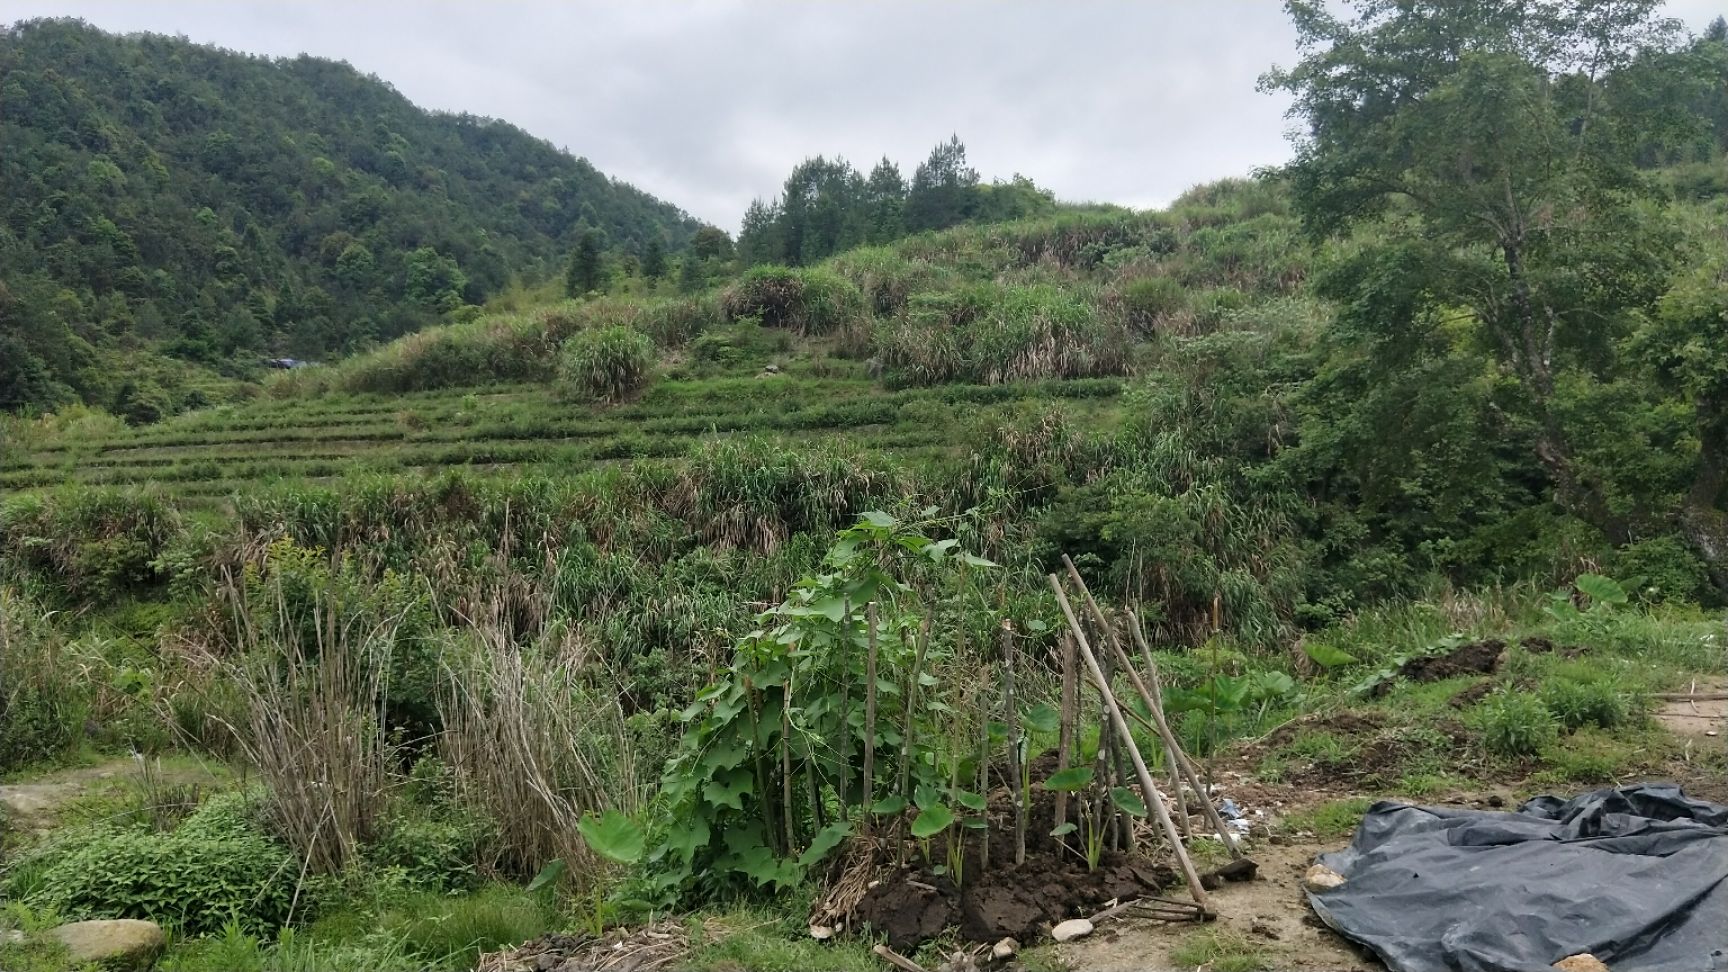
<point>213,206</point>
<point>584,612</point>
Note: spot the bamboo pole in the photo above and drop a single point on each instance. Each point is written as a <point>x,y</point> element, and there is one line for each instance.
<point>843,753</point>
<point>912,708</point>
<point>868,785</point>
<point>1154,699</point>
<point>1065,736</point>
<point>1153,796</point>
<point>1016,757</point>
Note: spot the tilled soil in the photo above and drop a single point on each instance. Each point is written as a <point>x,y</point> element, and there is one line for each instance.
<point>1476,658</point>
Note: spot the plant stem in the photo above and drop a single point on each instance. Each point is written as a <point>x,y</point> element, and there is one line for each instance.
<point>1065,737</point>
<point>869,783</point>
<point>1016,757</point>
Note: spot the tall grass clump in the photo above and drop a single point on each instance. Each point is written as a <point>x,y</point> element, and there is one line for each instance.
<point>608,365</point>
<point>532,745</point>
<point>83,543</point>
<point>886,278</point>
<point>44,700</point>
<point>808,302</point>
<point>993,335</point>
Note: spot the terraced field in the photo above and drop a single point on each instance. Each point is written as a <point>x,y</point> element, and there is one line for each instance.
<point>214,452</point>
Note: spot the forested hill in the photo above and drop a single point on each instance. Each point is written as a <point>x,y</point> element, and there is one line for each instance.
<point>208,207</point>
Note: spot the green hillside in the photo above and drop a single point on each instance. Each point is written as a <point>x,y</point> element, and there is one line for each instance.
<point>213,206</point>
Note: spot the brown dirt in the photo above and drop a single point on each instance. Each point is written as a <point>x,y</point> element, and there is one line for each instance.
<point>1537,645</point>
<point>1377,751</point>
<point>1472,694</point>
<point>1476,658</point>
<point>1697,722</point>
<point>1270,912</point>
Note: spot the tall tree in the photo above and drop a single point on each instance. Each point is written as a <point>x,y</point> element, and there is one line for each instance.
<point>942,188</point>
<point>587,271</point>
<point>654,260</point>
<point>1498,140</point>
<point>884,203</point>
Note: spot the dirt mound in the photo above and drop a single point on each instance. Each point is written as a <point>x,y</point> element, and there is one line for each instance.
<point>1537,645</point>
<point>1343,724</point>
<point>1476,658</point>
<point>1471,694</point>
<point>914,905</point>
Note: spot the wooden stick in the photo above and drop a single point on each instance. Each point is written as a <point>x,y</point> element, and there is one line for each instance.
<point>1065,737</point>
<point>869,782</point>
<point>912,708</point>
<point>1153,797</point>
<point>1691,697</point>
<point>897,960</point>
<point>1155,704</point>
<point>843,753</point>
<point>786,767</point>
<point>1016,759</point>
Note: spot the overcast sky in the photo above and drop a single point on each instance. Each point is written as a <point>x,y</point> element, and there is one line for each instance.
<point>708,104</point>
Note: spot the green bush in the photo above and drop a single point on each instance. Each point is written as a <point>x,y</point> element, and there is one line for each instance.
<point>1515,724</point>
<point>1662,569</point>
<point>1148,300</point>
<point>431,853</point>
<point>806,302</point>
<point>44,704</point>
<point>198,879</point>
<point>1596,702</point>
<point>609,364</point>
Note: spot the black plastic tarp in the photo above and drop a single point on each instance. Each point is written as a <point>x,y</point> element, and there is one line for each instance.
<point>1636,876</point>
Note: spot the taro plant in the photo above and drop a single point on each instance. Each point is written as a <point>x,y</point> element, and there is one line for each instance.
<point>765,781</point>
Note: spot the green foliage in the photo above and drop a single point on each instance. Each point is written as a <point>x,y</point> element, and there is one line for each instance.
<point>1599,702</point>
<point>187,879</point>
<point>268,207</point>
<point>609,364</point>
<point>1220,950</point>
<point>1515,724</point>
<point>1333,820</point>
<point>452,931</point>
<point>1148,301</point>
<point>806,302</point>
<point>43,705</point>
<point>614,836</point>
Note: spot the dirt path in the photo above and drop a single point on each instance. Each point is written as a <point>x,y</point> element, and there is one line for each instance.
<point>33,806</point>
<point>1698,721</point>
<point>1268,913</point>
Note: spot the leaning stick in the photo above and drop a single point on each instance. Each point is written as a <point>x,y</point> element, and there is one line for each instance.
<point>843,753</point>
<point>1154,700</point>
<point>1153,797</point>
<point>869,782</point>
<point>911,699</point>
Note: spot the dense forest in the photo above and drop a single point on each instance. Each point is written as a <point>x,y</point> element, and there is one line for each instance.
<point>214,206</point>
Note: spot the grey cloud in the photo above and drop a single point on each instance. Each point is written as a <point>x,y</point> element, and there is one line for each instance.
<point>708,104</point>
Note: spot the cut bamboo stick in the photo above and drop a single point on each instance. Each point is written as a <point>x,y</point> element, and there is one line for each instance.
<point>1016,757</point>
<point>1065,736</point>
<point>1155,704</point>
<point>869,783</point>
<point>1153,796</point>
<point>895,959</point>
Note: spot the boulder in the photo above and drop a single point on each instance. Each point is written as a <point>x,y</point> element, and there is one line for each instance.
<point>121,944</point>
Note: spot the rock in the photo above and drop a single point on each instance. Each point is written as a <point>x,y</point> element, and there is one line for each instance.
<point>821,932</point>
<point>11,936</point>
<point>1321,878</point>
<point>1071,929</point>
<point>125,943</point>
<point>1582,962</point>
<point>1004,950</point>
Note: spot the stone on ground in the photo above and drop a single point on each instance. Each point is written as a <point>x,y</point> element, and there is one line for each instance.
<point>124,943</point>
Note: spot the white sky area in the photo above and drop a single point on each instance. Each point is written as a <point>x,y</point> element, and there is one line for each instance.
<point>710,103</point>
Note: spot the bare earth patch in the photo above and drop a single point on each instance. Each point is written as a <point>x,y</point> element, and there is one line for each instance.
<point>1697,721</point>
<point>1269,912</point>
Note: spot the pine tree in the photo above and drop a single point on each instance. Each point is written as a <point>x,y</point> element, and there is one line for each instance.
<point>586,273</point>
<point>885,203</point>
<point>654,260</point>
<point>942,188</point>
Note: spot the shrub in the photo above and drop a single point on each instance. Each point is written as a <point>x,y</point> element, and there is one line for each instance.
<point>1662,569</point>
<point>609,364</point>
<point>806,302</point>
<point>95,544</point>
<point>1515,724</point>
<point>430,853</point>
<point>189,880</point>
<point>1596,702</point>
<point>1148,300</point>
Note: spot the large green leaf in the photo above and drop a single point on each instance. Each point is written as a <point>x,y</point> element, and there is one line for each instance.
<point>1042,718</point>
<point>1128,801</point>
<point>888,806</point>
<point>1602,590</point>
<point>1327,656</point>
<point>553,870</point>
<point>1069,780</point>
<point>728,789</point>
<point>932,821</point>
<point>613,836</point>
<point>969,800</point>
<point>826,839</point>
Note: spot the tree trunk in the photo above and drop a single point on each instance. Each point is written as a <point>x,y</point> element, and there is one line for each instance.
<point>1532,354</point>
<point>1703,520</point>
